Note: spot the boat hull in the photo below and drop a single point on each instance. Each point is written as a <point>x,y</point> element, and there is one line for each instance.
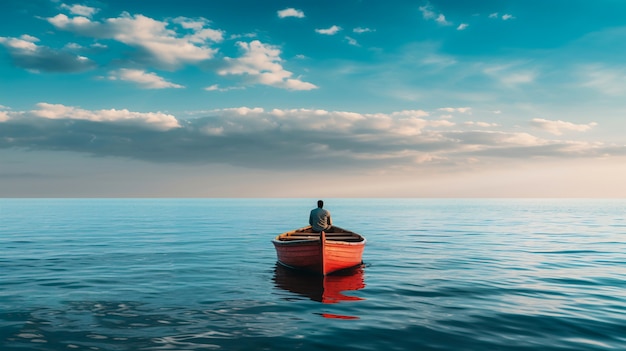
<point>327,253</point>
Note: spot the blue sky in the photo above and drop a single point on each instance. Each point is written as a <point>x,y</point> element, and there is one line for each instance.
<point>313,98</point>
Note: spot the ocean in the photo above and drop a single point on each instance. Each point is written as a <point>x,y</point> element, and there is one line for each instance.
<point>201,274</point>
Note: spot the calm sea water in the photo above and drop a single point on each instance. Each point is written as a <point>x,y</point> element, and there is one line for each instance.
<point>201,274</point>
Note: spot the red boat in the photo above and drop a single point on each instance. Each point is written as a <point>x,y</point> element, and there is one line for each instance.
<point>324,252</point>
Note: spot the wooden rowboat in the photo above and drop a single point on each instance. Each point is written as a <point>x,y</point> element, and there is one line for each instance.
<point>319,252</point>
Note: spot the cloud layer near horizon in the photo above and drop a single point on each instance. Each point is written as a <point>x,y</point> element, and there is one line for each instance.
<point>302,138</point>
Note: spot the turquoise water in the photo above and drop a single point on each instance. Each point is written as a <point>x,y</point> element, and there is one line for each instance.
<point>201,274</point>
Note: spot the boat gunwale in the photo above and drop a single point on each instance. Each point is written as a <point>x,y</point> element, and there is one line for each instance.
<point>313,237</point>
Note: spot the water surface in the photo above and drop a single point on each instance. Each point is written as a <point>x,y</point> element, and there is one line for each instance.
<point>201,274</point>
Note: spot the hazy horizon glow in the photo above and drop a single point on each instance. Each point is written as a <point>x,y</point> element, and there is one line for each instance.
<point>279,99</point>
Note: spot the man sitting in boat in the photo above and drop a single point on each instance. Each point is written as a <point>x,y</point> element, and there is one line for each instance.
<point>320,218</point>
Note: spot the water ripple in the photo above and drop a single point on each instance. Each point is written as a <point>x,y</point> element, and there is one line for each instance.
<point>181,274</point>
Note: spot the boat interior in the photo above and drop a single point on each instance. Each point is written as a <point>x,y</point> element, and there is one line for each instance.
<point>334,234</point>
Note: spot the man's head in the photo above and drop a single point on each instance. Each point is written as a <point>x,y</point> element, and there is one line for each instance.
<point>320,203</point>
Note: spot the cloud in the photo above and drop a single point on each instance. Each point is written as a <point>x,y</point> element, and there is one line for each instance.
<point>28,55</point>
<point>80,10</point>
<point>261,64</point>
<point>150,120</point>
<point>181,40</point>
<point>360,30</point>
<point>456,109</point>
<point>329,31</point>
<point>216,87</point>
<point>441,19</point>
<point>481,124</point>
<point>428,13</point>
<point>511,74</point>
<point>504,17</point>
<point>281,138</point>
<point>462,26</point>
<point>352,41</point>
<point>290,12</point>
<point>607,80</point>
<point>557,127</point>
<point>143,78</point>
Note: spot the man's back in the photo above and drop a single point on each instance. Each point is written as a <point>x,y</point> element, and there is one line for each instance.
<point>320,219</point>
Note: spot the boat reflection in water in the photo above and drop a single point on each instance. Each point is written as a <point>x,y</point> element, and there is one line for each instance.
<point>321,288</point>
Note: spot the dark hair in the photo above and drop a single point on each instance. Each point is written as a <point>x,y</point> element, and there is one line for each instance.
<point>320,203</point>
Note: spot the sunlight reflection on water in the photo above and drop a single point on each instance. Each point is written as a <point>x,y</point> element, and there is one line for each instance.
<point>201,274</point>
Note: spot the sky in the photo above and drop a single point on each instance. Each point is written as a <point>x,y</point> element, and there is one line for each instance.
<point>319,99</point>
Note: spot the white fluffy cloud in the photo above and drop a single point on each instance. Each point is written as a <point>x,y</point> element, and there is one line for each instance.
<point>290,12</point>
<point>80,10</point>
<point>151,120</point>
<point>158,39</point>
<point>557,127</point>
<point>261,64</point>
<point>329,31</point>
<point>144,79</point>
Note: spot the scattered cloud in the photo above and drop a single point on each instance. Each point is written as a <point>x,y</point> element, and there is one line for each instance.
<point>216,87</point>
<point>441,19</point>
<point>428,13</point>
<point>504,17</point>
<point>462,26</point>
<point>557,127</point>
<point>329,31</point>
<point>290,12</point>
<point>261,64</point>
<point>360,30</point>
<point>352,41</point>
<point>29,38</point>
<point>80,10</point>
<point>144,79</point>
<point>37,58</point>
<point>181,40</point>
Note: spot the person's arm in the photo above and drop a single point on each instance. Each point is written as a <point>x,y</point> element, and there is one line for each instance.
<point>330,220</point>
